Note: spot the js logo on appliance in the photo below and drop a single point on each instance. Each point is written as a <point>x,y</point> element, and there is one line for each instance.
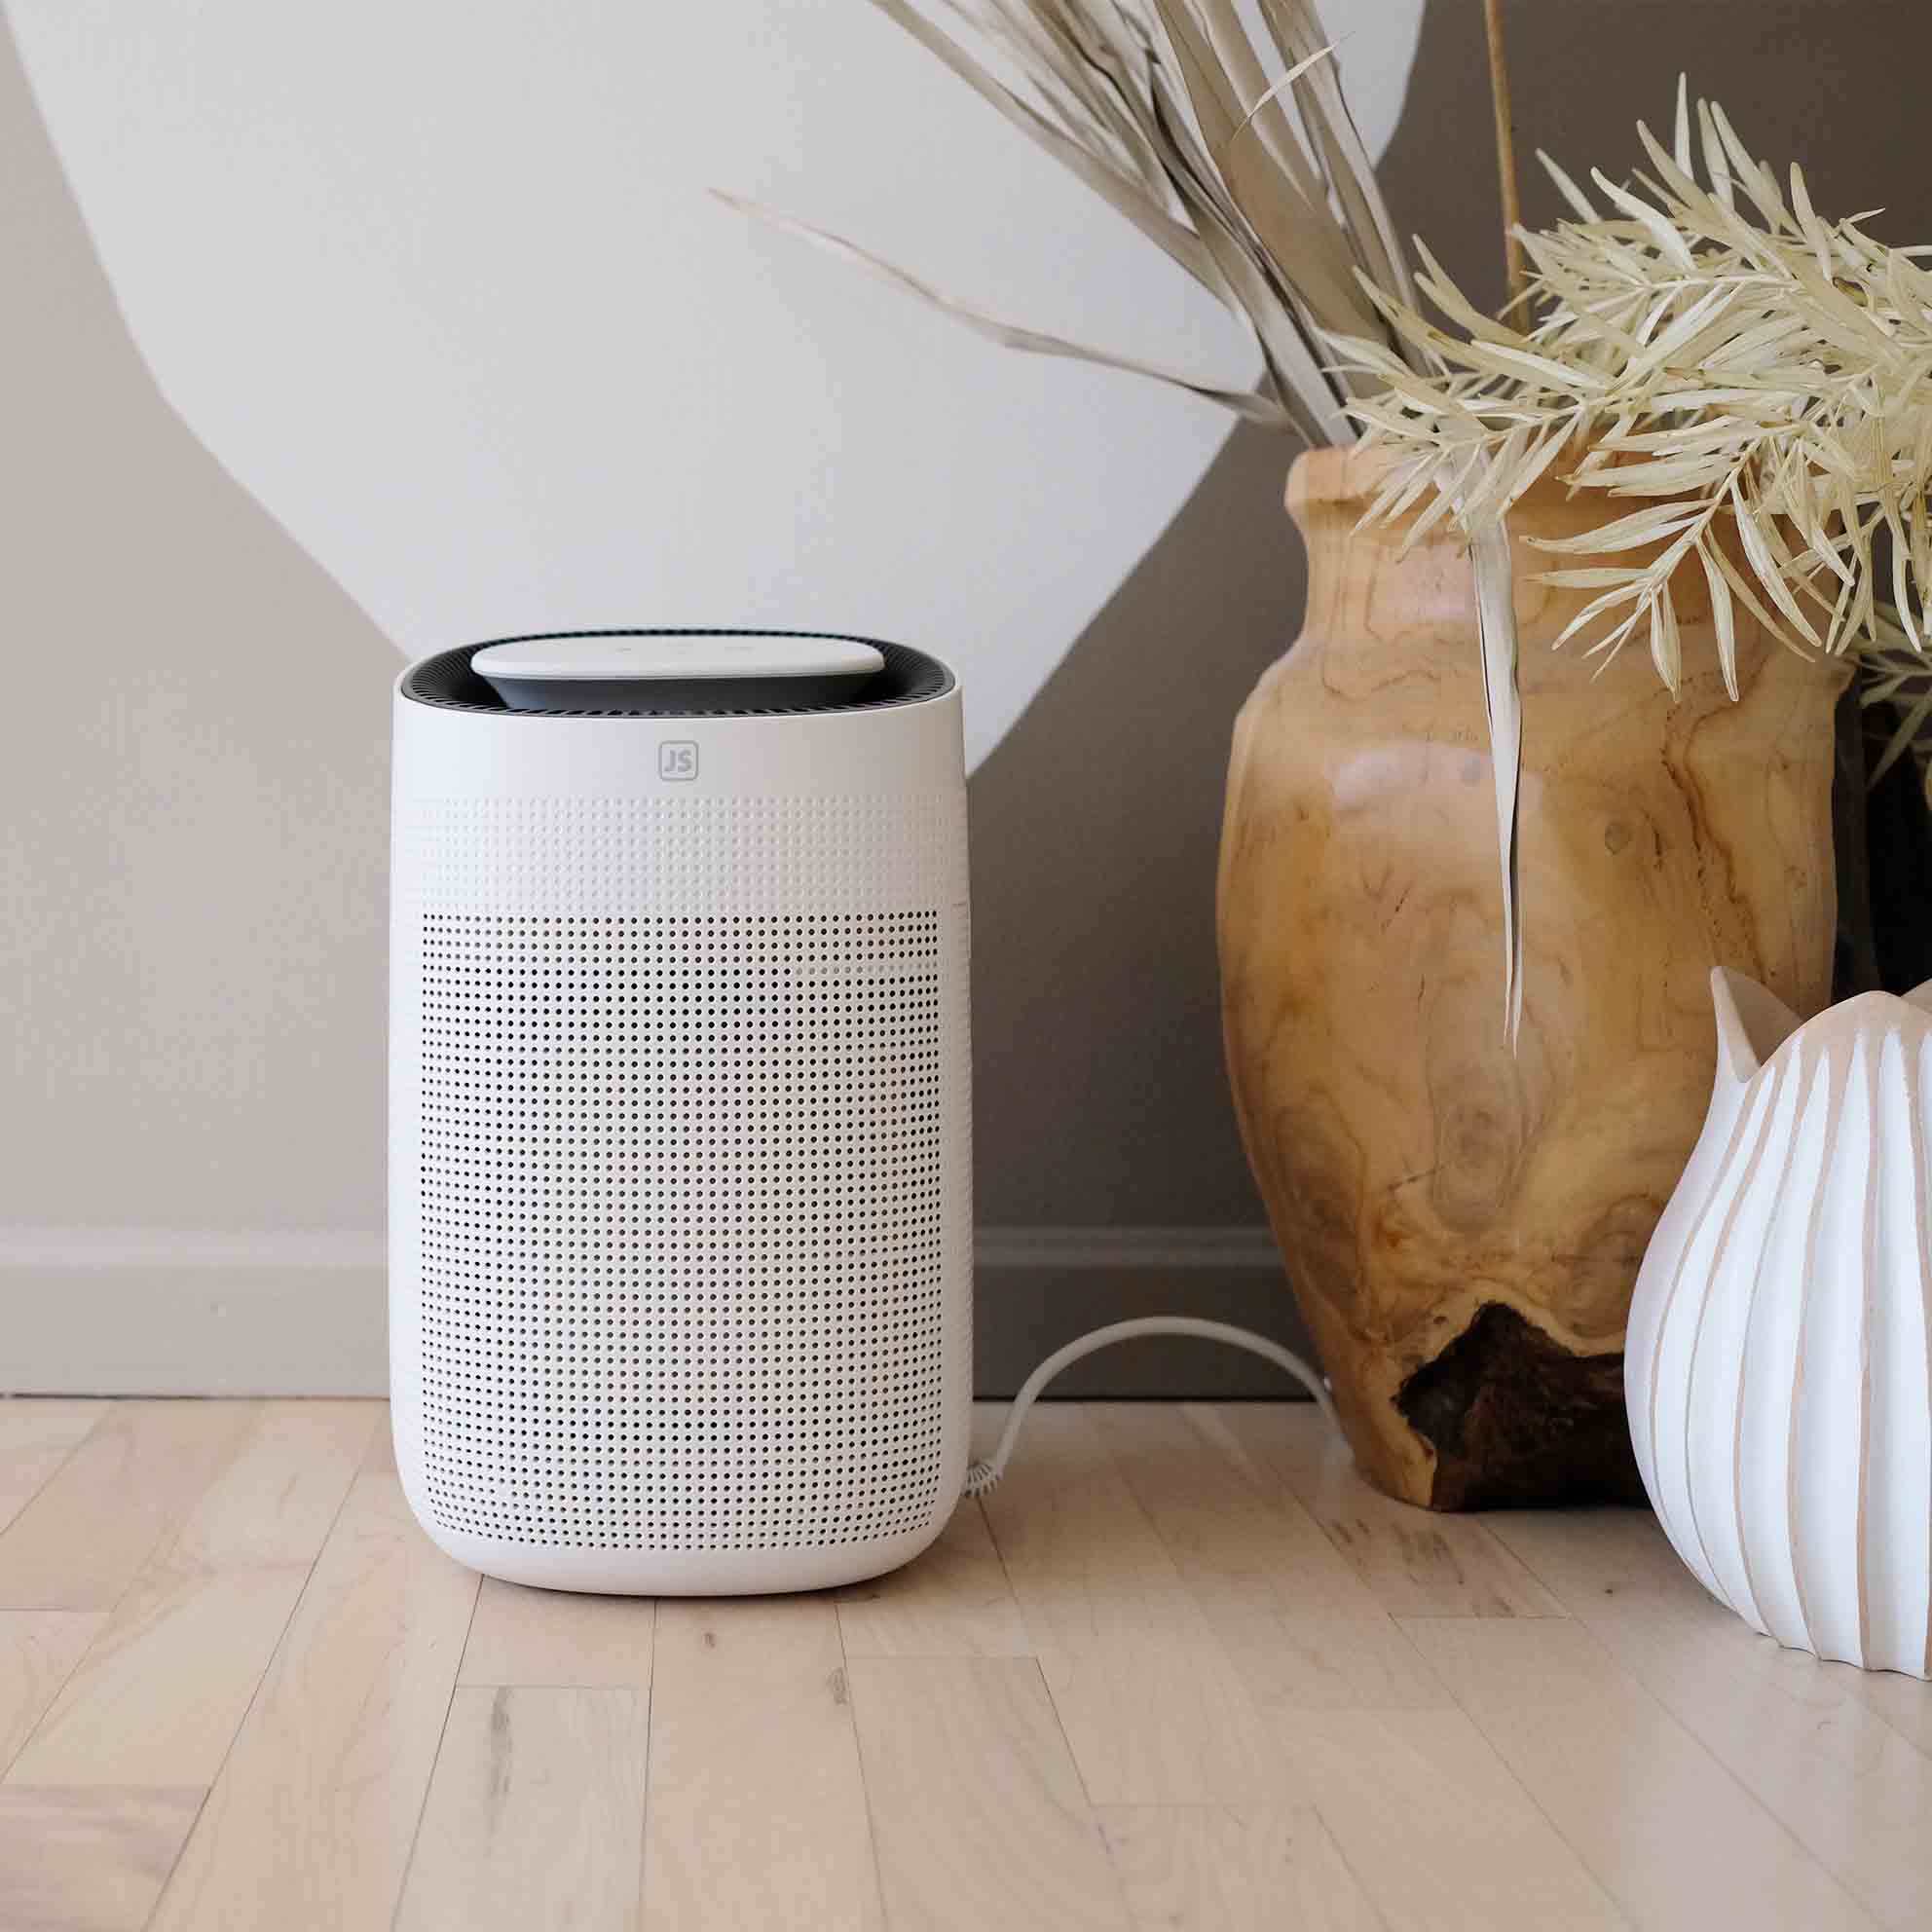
<point>677,760</point>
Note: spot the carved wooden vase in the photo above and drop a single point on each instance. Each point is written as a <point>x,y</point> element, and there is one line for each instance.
<point>1463,1224</point>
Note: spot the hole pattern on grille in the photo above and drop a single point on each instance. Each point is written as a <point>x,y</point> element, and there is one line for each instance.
<point>683,1259</point>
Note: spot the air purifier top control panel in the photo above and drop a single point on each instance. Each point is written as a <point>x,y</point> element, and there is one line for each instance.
<point>667,672</point>
<point>619,676</point>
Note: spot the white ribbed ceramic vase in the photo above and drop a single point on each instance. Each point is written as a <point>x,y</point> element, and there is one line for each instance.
<point>1779,1362</point>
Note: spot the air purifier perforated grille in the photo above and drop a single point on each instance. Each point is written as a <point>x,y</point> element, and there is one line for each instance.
<point>683,1255</point>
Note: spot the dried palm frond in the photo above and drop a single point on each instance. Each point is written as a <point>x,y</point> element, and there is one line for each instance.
<point>1257,184</point>
<point>1750,379</point>
<point>1897,673</point>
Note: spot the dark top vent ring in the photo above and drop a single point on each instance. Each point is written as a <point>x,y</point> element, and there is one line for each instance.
<point>446,680</point>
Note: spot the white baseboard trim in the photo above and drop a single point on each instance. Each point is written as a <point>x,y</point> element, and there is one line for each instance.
<point>191,1312</point>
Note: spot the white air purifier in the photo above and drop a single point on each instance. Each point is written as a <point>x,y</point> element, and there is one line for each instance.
<point>681,1187</point>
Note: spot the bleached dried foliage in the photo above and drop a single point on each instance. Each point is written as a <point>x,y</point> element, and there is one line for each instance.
<point>1260,188</point>
<point>1897,675</point>
<point>1750,379</point>
<point>1242,162</point>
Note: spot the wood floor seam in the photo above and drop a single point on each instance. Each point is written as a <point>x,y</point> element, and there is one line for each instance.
<point>435,1758</point>
<point>1633,1689</point>
<point>1382,1921</point>
<point>864,1777</point>
<point>181,1851</point>
<point>67,1455</point>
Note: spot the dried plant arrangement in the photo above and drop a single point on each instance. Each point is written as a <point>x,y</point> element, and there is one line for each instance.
<point>1724,360</point>
<point>1260,189</point>
<point>1898,673</point>
<point>1749,378</point>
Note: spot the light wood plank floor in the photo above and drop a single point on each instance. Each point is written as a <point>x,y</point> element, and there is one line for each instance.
<point>1181,1670</point>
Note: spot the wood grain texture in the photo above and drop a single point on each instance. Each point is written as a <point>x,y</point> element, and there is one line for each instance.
<point>282,1486</point>
<point>308,1826</point>
<point>1903,1702</point>
<point>163,1688</point>
<point>1211,1588</point>
<point>756,1807</point>
<point>1802,1738</point>
<point>1463,1224</point>
<point>525,1636</point>
<point>1415,1565</point>
<point>976,1809</point>
<point>166,1683</point>
<point>88,1861</point>
<point>37,1435</point>
<point>534,1818</point>
<point>1214,1867</point>
<point>954,1601</point>
<point>1441,1836</point>
<point>1303,1629</point>
<point>1152,1704</point>
<point>1668,1833</point>
<point>38,1651</point>
<point>119,1496</point>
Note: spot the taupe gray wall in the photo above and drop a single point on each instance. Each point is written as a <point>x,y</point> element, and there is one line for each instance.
<point>153,1075</point>
<point>152,1072</point>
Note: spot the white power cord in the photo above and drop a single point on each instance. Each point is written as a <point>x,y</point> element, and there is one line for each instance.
<point>982,1476</point>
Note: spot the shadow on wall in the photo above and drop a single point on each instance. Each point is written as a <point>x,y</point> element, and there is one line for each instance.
<point>192,786</point>
<point>1096,1023</point>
